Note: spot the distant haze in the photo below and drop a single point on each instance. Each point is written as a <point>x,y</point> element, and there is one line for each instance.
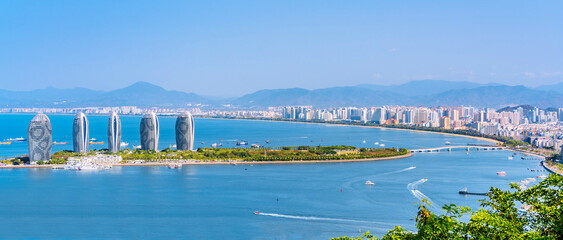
<point>231,48</point>
<point>430,93</point>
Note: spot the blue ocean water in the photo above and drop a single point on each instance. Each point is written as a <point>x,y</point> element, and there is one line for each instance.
<point>297,201</point>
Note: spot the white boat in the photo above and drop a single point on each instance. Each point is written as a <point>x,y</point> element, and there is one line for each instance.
<point>137,146</point>
<point>382,145</point>
<point>214,145</point>
<point>124,144</point>
<point>174,165</point>
<point>87,167</point>
<point>447,143</point>
<point>368,182</point>
<point>19,139</point>
<point>172,146</point>
<point>93,139</point>
<point>501,173</point>
<point>376,143</point>
<point>364,141</point>
<point>510,158</point>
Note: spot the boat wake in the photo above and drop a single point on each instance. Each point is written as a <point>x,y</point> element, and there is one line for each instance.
<point>415,192</point>
<point>402,170</point>
<point>320,218</point>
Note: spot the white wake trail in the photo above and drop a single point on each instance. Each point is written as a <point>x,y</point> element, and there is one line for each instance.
<point>319,218</point>
<point>415,192</point>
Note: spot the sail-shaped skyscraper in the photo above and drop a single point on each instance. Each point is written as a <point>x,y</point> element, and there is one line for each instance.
<point>114,132</point>
<point>150,130</point>
<point>185,131</point>
<point>80,133</point>
<point>39,138</point>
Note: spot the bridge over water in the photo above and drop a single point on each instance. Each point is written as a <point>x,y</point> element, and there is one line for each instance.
<point>466,148</point>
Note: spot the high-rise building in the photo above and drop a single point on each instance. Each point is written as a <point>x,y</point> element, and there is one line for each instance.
<point>445,122</point>
<point>39,138</point>
<point>80,133</point>
<point>150,131</point>
<point>114,132</point>
<point>185,131</point>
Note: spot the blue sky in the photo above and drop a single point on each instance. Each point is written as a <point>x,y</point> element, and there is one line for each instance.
<point>229,48</point>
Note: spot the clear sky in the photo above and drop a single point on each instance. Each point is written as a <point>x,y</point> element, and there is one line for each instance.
<point>235,47</point>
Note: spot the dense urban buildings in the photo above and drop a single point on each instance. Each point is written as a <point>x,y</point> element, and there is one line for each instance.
<point>185,131</point>
<point>541,127</point>
<point>150,131</point>
<point>114,132</point>
<point>39,138</point>
<point>80,133</point>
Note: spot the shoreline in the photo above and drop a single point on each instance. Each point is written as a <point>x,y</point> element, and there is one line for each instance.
<point>350,125</point>
<point>222,163</point>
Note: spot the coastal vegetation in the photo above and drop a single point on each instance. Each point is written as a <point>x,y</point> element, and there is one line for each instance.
<point>304,153</point>
<point>299,153</point>
<point>502,216</point>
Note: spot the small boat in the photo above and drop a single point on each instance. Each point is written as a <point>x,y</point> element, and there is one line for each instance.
<point>267,141</point>
<point>172,146</point>
<point>256,212</point>
<point>255,146</point>
<point>203,143</point>
<point>60,143</point>
<point>382,145</point>
<point>376,143</point>
<point>5,143</point>
<point>242,143</point>
<point>57,167</point>
<point>93,139</point>
<point>502,173</point>
<point>174,165</point>
<point>20,139</point>
<point>364,141</point>
<point>368,182</point>
<point>541,176</point>
<point>463,190</point>
<point>96,143</point>
<point>447,143</point>
<point>124,144</point>
<point>214,145</point>
<point>136,146</point>
<point>510,158</point>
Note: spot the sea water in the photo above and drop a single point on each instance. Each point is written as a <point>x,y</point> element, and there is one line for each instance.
<point>296,201</point>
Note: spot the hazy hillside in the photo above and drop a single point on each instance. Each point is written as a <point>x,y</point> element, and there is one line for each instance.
<point>417,93</point>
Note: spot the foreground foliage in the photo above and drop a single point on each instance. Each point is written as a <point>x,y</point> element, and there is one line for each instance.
<point>501,217</point>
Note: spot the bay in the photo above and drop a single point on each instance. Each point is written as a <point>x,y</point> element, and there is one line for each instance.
<point>298,201</point>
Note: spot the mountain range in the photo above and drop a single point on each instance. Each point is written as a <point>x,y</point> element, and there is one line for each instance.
<point>415,93</point>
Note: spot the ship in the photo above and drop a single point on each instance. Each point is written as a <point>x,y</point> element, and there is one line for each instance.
<point>5,143</point>
<point>20,139</point>
<point>241,143</point>
<point>96,143</point>
<point>124,144</point>
<point>60,143</point>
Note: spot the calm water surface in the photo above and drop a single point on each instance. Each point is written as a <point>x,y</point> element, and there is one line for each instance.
<point>299,201</point>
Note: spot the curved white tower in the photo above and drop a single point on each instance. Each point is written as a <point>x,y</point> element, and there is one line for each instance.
<point>114,132</point>
<point>39,138</point>
<point>185,131</point>
<point>80,134</point>
<point>150,131</point>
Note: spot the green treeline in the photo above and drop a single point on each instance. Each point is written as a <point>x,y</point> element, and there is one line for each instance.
<point>338,152</point>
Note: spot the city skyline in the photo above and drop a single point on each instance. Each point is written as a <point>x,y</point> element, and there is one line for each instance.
<point>229,49</point>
